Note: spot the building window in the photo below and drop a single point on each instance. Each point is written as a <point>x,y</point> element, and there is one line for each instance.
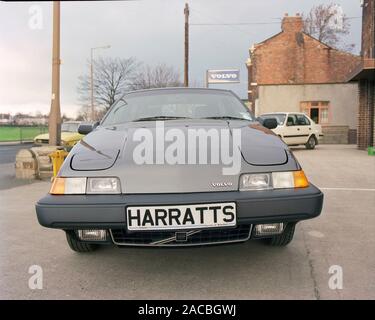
<point>318,111</point>
<point>324,115</point>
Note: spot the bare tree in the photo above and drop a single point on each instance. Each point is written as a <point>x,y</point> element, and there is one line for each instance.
<point>64,118</point>
<point>328,24</point>
<point>112,77</point>
<point>160,76</point>
<point>85,113</point>
<point>80,117</point>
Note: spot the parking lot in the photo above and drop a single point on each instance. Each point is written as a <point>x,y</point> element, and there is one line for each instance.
<point>8,153</point>
<point>342,236</point>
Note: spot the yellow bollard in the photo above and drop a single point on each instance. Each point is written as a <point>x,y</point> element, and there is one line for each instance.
<point>57,158</point>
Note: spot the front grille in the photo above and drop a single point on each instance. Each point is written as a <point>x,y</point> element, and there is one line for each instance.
<point>43,141</point>
<point>194,237</point>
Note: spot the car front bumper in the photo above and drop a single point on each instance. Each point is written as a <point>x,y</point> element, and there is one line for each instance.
<point>108,211</point>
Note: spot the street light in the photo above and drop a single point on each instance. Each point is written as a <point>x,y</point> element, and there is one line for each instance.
<point>92,79</point>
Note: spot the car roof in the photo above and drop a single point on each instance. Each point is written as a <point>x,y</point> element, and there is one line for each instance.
<point>268,113</point>
<point>178,89</point>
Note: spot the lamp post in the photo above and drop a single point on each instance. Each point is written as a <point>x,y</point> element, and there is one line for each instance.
<point>54,120</point>
<point>92,79</point>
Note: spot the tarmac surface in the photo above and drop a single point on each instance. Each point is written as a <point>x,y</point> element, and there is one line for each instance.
<point>8,152</point>
<point>340,241</point>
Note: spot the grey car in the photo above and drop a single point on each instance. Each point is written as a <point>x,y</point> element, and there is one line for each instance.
<point>178,167</point>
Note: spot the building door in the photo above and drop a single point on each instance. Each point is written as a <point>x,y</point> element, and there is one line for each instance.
<point>318,111</point>
<point>314,114</point>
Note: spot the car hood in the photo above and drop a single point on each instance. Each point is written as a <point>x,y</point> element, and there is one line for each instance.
<point>98,150</point>
<point>112,149</point>
<point>66,136</point>
<point>261,147</point>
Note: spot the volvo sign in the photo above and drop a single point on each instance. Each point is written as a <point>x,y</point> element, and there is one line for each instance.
<point>223,76</point>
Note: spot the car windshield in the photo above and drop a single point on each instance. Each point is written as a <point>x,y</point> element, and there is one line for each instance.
<point>177,104</point>
<point>69,127</point>
<point>280,117</point>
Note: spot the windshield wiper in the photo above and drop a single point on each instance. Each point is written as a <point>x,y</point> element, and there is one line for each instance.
<point>226,118</point>
<point>159,118</point>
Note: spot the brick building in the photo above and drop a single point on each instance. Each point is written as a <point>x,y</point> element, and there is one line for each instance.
<point>365,75</point>
<point>294,72</point>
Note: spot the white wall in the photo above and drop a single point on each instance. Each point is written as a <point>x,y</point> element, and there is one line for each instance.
<point>343,100</point>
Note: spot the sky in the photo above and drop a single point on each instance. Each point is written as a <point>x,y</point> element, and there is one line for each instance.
<point>152,31</point>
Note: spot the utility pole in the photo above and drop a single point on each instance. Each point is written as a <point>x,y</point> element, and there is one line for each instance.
<point>92,85</point>
<point>54,121</point>
<point>186,66</point>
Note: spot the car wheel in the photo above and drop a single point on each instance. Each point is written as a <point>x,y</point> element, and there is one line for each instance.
<point>77,245</point>
<point>311,143</point>
<point>283,239</point>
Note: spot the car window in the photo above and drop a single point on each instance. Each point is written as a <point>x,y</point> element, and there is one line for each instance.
<point>196,104</point>
<point>280,118</point>
<point>69,127</point>
<point>302,120</point>
<point>292,120</point>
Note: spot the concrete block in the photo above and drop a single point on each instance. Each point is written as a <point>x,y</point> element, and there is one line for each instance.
<point>34,163</point>
<point>26,164</point>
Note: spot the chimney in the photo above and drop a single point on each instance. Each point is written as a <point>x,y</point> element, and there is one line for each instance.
<point>292,24</point>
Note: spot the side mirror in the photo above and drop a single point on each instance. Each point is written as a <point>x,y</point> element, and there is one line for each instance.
<point>270,123</point>
<point>260,120</point>
<point>86,128</point>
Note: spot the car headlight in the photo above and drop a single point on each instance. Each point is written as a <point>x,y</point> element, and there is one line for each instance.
<point>274,180</point>
<point>282,180</point>
<point>104,185</point>
<point>256,181</point>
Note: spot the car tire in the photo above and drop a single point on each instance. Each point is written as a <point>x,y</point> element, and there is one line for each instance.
<point>284,238</point>
<point>311,143</point>
<point>79,246</point>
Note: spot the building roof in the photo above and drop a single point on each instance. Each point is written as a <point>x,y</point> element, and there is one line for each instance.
<point>365,70</point>
<point>295,57</point>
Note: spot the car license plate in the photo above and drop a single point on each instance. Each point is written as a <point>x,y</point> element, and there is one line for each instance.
<point>172,217</point>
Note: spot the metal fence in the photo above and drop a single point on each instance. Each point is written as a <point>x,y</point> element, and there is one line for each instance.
<point>10,133</point>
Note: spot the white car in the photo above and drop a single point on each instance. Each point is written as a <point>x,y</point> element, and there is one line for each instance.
<point>295,128</point>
